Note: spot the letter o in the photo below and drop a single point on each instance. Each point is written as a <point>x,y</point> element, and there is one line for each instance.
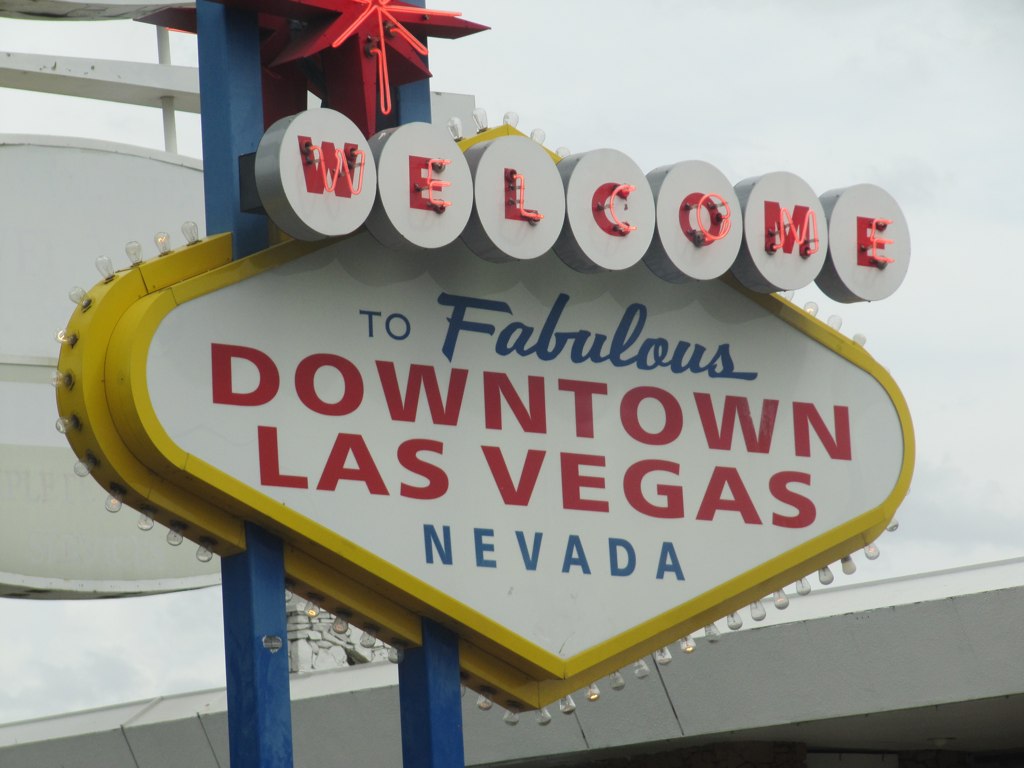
<point>305,387</point>
<point>629,414</point>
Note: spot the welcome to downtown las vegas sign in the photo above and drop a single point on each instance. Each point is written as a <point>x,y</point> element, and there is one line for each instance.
<point>459,394</point>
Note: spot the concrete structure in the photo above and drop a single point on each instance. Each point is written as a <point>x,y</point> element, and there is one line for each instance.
<point>933,677</point>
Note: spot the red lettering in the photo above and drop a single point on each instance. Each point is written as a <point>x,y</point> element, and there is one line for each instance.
<point>573,482</point>
<point>869,243</point>
<point>714,501</point>
<point>671,495</point>
<point>270,465</point>
<point>423,378</point>
<point>497,387</point>
<point>421,179</point>
<point>719,220</point>
<point>628,413</point>
<point>720,438</point>
<point>583,397</point>
<point>805,415</point>
<point>364,471</point>
<point>328,169</point>
<point>224,392</point>
<point>512,493</point>
<point>805,510</point>
<point>305,387</point>
<point>515,198</point>
<point>603,208</point>
<point>782,231</point>
<point>437,479</point>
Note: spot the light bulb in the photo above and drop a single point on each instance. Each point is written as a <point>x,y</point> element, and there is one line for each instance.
<point>825,576</point>
<point>455,128</point>
<point>871,551</point>
<point>711,633</point>
<point>781,600</point>
<point>835,322</point>
<point>163,242</point>
<point>64,379</point>
<point>65,425</point>
<point>640,669</point>
<point>191,232</point>
<point>340,625</point>
<point>803,587</point>
<point>811,308</point>
<point>396,655</point>
<point>563,152</point>
<point>663,656</point>
<point>480,118</point>
<point>687,645</point>
<point>733,621</point>
<point>64,337</point>
<point>757,611</point>
<point>787,295</point>
<point>84,467</point>
<point>204,554</point>
<point>133,249</point>
<point>566,705</point>
<point>543,716</point>
<point>174,537</point>
<point>511,717</point>
<point>860,339</point>
<point>145,522</point>
<point>105,267</point>
<point>483,703</point>
<point>849,567</point>
<point>369,638</point>
<point>77,295</point>
<point>538,135</point>
<point>618,682</point>
<point>114,502</point>
<point>511,119</point>
<point>593,692</point>
<point>893,526</point>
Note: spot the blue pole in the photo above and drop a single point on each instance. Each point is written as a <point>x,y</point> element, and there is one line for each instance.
<point>429,694</point>
<point>256,654</point>
<point>231,101</point>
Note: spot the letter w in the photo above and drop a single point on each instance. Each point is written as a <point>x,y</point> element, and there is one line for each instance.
<point>422,378</point>
<point>720,439</point>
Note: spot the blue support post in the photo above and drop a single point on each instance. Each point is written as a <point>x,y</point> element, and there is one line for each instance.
<point>259,702</point>
<point>414,98</point>
<point>231,100</point>
<point>430,698</point>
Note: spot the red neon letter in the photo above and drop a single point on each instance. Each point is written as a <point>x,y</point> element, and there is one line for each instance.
<point>515,198</point>
<point>869,243</point>
<point>421,179</point>
<point>603,208</point>
<point>782,231</point>
<point>223,391</point>
<point>720,222</point>
<point>324,166</point>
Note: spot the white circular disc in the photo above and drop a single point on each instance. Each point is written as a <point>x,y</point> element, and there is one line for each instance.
<point>685,246</point>
<point>315,175</point>
<point>866,229</point>
<point>802,244</point>
<point>589,241</point>
<point>419,203</point>
<point>514,181</point>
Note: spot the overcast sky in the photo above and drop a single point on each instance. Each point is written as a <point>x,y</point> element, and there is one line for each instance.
<point>922,98</point>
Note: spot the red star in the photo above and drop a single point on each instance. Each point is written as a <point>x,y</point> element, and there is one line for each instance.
<point>363,47</point>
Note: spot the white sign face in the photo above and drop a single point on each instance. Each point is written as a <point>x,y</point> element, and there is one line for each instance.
<point>868,244</point>
<point>425,193</point>
<point>609,216</point>
<point>567,456</point>
<point>700,225</point>
<point>315,175</point>
<point>785,233</point>
<point>519,202</point>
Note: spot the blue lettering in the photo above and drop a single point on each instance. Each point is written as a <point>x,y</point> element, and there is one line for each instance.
<point>457,320</point>
<point>574,555</point>
<point>615,546</point>
<point>530,557</point>
<point>483,547</point>
<point>669,561</point>
<point>432,544</point>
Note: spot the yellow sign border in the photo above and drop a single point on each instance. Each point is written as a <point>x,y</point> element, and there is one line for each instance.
<point>131,454</point>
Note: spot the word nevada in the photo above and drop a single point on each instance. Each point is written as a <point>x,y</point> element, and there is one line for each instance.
<point>506,198</point>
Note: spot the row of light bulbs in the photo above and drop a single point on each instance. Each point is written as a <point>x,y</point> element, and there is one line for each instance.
<point>510,119</point>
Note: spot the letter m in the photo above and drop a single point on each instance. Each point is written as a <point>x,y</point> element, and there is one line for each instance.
<point>782,231</point>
